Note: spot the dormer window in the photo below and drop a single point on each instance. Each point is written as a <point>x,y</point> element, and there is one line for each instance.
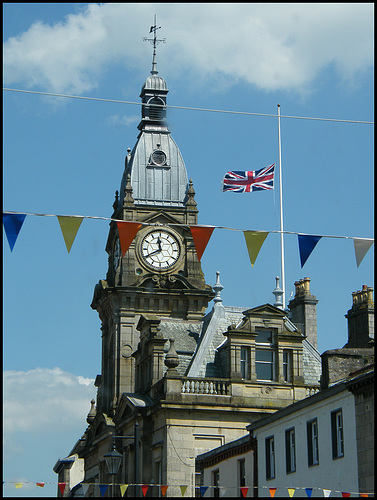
<point>265,355</point>
<point>245,363</point>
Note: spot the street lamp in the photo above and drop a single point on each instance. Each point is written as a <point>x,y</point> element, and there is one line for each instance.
<point>113,461</point>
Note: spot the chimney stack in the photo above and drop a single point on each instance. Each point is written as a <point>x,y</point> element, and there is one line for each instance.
<point>361,319</point>
<point>303,308</point>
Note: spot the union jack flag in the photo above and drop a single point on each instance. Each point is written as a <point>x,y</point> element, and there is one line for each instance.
<point>241,181</point>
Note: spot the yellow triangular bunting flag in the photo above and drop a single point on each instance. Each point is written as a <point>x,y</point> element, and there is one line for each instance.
<point>69,227</point>
<point>123,488</point>
<point>254,242</point>
<point>291,491</point>
<point>361,248</point>
<point>183,490</point>
<point>18,485</point>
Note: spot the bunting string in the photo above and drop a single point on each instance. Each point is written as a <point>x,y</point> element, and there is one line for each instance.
<point>299,490</point>
<point>127,230</point>
<point>186,225</point>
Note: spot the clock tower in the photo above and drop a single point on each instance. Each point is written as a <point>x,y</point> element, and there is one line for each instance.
<point>160,274</point>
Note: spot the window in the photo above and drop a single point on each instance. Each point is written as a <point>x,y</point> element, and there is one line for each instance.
<point>241,474</point>
<point>158,478</point>
<point>216,482</point>
<point>337,434</point>
<point>270,457</point>
<point>290,450</point>
<point>264,355</point>
<point>287,365</point>
<point>245,363</point>
<point>312,435</point>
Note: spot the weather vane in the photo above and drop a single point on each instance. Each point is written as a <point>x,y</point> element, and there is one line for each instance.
<point>154,41</point>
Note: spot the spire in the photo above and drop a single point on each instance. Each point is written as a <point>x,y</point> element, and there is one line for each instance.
<point>154,41</point>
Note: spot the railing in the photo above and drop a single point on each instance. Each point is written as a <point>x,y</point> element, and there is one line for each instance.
<point>205,386</point>
<point>311,390</point>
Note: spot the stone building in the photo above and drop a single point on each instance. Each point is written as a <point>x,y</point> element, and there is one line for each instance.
<point>359,350</point>
<point>279,453</point>
<point>176,381</point>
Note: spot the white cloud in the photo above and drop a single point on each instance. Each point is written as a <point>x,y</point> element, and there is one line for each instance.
<point>271,46</point>
<point>123,120</point>
<point>44,414</point>
<point>38,399</point>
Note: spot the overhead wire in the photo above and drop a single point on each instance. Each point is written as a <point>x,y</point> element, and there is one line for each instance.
<point>248,113</point>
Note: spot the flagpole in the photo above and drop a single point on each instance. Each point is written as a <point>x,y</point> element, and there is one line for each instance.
<point>281,216</point>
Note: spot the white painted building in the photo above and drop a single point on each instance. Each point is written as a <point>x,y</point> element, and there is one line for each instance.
<point>310,444</point>
<point>228,469</point>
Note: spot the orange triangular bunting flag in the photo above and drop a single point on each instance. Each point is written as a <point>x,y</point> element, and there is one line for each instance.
<point>183,490</point>
<point>62,487</point>
<point>244,491</point>
<point>40,484</point>
<point>163,490</point>
<point>127,232</point>
<point>254,241</point>
<point>69,227</point>
<point>201,236</point>
<point>272,491</point>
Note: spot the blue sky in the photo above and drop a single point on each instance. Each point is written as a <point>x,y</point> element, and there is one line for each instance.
<point>66,157</point>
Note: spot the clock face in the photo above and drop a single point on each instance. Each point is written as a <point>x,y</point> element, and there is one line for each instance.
<point>116,254</point>
<point>160,249</point>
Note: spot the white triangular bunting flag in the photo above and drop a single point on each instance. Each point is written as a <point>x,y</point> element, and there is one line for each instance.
<point>361,248</point>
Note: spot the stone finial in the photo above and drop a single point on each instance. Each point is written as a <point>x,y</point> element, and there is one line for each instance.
<point>92,412</point>
<point>191,195</point>
<point>278,292</point>
<point>127,159</point>
<point>116,201</point>
<point>218,288</point>
<point>171,357</point>
<point>128,192</point>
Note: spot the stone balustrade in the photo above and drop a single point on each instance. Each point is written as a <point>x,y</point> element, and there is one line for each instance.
<point>204,386</point>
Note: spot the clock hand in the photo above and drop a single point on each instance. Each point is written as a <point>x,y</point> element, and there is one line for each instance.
<point>152,253</point>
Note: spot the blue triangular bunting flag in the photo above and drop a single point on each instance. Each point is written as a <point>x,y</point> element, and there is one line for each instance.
<point>203,489</point>
<point>12,225</point>
<point>309,491</point>
<point>103,488</point>
<point>306,244</point>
